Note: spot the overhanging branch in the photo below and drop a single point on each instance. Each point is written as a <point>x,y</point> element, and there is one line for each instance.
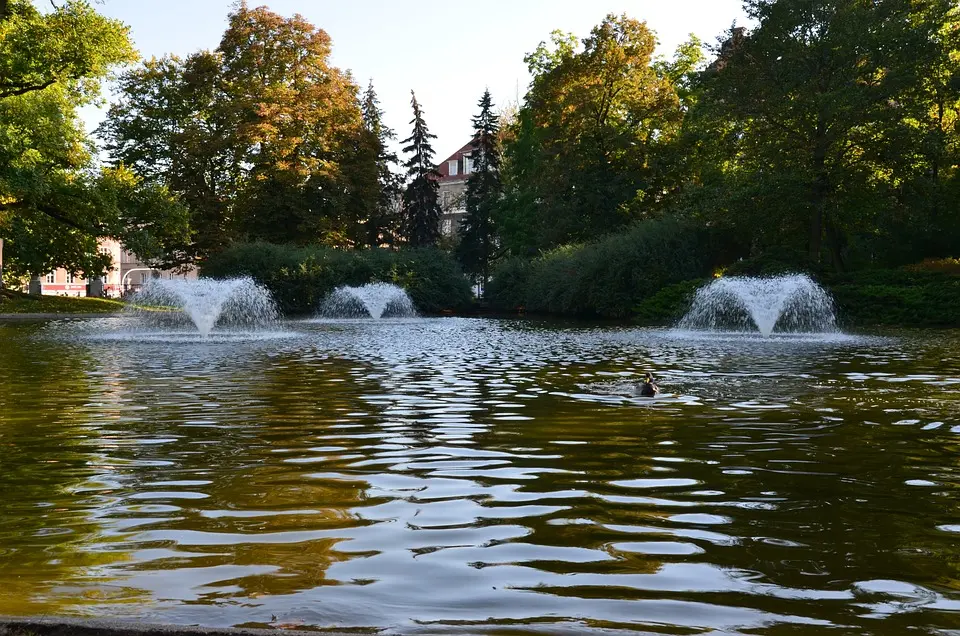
<point>57,215</point>
<point>15,89</point>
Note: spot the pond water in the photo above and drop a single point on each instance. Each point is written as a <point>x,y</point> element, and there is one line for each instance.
<point>437,476</point>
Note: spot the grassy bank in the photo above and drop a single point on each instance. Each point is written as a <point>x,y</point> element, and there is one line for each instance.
<point>17,303</point>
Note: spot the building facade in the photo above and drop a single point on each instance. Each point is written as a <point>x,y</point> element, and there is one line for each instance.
<point>454,172</point>
<point>127,275</point>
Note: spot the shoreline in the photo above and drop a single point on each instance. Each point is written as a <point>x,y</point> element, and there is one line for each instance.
<point>54,316</point>
<point>52,626</point>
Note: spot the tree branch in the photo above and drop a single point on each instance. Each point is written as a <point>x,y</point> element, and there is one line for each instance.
<point>13,90</point>
<point>55,214</point>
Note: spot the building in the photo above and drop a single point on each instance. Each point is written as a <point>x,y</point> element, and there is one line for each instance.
<point>127,275</point>
<point>453,189</point>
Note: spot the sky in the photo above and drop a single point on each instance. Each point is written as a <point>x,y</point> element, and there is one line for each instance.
<point>446,51</point>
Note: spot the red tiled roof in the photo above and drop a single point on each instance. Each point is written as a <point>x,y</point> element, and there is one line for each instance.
<point>444,167</point>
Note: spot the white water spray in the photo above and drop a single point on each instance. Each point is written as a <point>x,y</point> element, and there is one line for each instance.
<point>791,303</point>
<point>206,303</point>
<point>374,300</point>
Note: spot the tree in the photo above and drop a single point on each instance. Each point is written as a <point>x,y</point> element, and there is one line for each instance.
<point>55,204</point>
<point>382,220</point>
<point>72,46</point>
<point>807,104</point>
<point>585,156</point>
<point>421,205</point>
<point>484,189</point>
<point>263,137</point>
<point>171,126</point>
<point>925,131</point>
<point>298,123</point>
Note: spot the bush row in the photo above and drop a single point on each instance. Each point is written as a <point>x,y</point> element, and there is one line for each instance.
<point>897,297</point>
<point>609,278</point>
<point>300,277</point>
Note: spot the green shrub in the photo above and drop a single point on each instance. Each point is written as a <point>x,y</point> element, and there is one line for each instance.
<point>608,278</point>
<point>507,289</point>
<point>773,263</point>
<point>668,305</point>
<point>300,277</point>
<point>897,297</point>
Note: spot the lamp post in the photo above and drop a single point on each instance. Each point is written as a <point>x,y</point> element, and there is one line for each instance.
<point>123,281</point>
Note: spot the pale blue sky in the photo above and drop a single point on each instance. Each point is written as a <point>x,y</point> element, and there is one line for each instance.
<point>430,47</point>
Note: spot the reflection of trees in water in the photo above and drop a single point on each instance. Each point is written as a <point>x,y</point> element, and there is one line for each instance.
<point>245,474</point>
<point>52,545</point>
<point>209,448</point>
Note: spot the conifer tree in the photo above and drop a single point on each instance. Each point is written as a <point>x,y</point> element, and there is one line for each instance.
<point>484,188</point>
<point>421,199</point>
<point>382,223</point>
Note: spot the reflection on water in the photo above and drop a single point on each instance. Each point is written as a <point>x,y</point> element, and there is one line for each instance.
<point>449,475</point>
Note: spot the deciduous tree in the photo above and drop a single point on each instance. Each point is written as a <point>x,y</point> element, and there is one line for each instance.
<point>55,204</point>
<point>584,160</point>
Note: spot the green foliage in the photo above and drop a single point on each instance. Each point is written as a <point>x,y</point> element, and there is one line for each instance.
<point>54,204</point>
<point>820,130</point>
<point>72,46</point>
<point>421,205</point>
<point>381,215</point>
<point>484,189</point>
<point>300,277</point>
<point>262,138</point>
<point>669,304</point>
<point>774,262</point>
<point>608,278</point>
<point>897,297</point>
<point>507,289</point>
<point>942,265</point>
<point>584,159</point>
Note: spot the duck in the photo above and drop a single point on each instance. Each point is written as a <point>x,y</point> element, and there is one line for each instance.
<point>649,388</point>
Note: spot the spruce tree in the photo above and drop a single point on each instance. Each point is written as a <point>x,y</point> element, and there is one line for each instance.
<point>484,188</point>
<point>421,204</point>
<point>382,223</point>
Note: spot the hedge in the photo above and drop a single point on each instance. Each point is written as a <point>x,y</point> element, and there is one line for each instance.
<point>609,278</point>
<point>300,277</point>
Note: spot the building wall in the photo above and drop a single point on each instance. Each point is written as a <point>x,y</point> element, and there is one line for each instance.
<point>454,171</point>
<point>453,206</point>
<point>126,275</point>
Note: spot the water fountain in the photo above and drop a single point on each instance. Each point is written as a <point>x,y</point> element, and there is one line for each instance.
<point>791,303</point>
<point>206,303</point>
<point>375,300</point>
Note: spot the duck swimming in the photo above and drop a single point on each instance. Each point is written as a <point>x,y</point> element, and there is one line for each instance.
<point>649,388</point>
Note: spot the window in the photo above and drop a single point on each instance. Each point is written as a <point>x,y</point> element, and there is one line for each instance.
<point>51,277</point>
<point>467,165</point>
<point>69,278</point>
<point>445,200</point>
<point>452,168</point>
<point>447,227</point>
